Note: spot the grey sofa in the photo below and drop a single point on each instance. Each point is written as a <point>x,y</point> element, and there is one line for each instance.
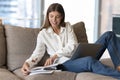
<point>17,44</point>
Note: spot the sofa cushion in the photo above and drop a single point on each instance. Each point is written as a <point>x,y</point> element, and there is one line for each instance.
<point>20,45</point>
<point>64,75</point>
<point>18,73</point>
<point>2,47</point>
<point>108,62</point>
<point>80,31</point>
<point>92,76</point>
<point>7,75</point>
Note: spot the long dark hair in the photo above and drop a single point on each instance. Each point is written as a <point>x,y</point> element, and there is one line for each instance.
<point>54,7</point>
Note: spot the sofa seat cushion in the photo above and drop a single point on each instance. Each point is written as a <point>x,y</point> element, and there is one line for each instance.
<point>108,62</point>
<point>92,76</point>
<point>7,75</point>
<point>64,75</point>
<point>19,73</point>
<point>2,47</point>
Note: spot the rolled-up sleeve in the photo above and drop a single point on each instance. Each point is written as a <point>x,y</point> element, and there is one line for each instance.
<point>38,52</point>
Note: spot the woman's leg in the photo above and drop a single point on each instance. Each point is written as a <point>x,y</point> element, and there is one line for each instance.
<point>112,43</point>
<point>88,64</point>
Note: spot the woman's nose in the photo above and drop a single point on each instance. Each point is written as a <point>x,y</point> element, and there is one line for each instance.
<point>54,19</point>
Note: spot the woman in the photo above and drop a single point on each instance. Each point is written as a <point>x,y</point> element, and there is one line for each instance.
<point>58,38</point>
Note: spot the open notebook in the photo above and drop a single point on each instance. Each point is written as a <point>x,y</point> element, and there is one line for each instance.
<point>86,49</point>
<point>44,69</point>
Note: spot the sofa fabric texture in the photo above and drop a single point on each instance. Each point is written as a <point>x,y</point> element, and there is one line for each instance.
<point>92,76</point>
<point>55,76</point>
<point>2,47</point>
<point>7,75</point>
<point>80,32</point>
<point>17,44</point>
<point>20,44</point>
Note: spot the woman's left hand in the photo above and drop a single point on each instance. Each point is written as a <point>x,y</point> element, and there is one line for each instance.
<point>50,60</point>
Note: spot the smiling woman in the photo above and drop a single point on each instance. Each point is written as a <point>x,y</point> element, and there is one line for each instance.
<point>60,41</point>
<point>83,10</point>
<point>55,19</point>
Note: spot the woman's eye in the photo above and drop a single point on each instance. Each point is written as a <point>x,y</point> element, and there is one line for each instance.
<point>57,16</point>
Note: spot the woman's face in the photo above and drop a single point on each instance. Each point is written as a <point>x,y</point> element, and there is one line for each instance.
<point>55,18</point>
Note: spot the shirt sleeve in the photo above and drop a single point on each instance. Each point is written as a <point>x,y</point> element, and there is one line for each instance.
<point>38,52</point>
<point>71,44</point>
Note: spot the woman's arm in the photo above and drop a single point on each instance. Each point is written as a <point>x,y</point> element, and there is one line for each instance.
<point>38,53</point>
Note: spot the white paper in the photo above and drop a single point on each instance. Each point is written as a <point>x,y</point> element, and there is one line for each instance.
<point>43,69</point>
<point>41,72</point>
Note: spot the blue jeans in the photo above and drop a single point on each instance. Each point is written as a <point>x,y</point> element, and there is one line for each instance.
<point>88,64</point>
<point>109,41</point>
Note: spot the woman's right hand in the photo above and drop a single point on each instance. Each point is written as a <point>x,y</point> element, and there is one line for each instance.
<point>25,69</point>
<point>50,60</point>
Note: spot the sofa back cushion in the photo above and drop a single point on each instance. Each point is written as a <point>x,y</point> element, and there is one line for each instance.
<point>22,41</point>
<point>20,45</point>
<point>2,47</point>
<point>80,31</point>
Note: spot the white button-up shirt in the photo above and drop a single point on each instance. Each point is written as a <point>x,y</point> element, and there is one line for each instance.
<point>62,44</point>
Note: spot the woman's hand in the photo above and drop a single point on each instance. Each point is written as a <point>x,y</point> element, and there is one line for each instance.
<point>25,69</point>
<point>50,60</point>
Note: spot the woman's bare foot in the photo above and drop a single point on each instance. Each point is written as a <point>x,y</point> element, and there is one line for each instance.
<point>118,68</point>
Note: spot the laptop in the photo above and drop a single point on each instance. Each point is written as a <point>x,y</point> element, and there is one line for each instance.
<point>86,49</point>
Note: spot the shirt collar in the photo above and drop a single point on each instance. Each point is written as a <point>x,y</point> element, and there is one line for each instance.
<point>50,30</point>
